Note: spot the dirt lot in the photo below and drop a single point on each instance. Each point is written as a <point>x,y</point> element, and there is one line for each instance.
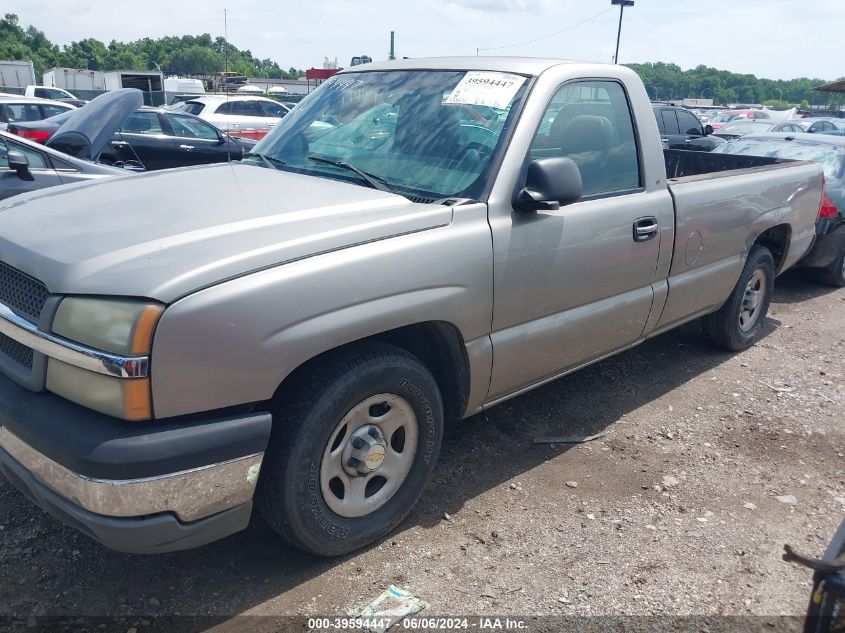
<point>710,462</point>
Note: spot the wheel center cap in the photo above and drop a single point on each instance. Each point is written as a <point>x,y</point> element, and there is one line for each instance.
<point>364,452</point>
<point>375,457</point>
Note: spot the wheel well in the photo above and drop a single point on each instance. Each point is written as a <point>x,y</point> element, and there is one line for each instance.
<point>437,344</point>
<point>776,239</point>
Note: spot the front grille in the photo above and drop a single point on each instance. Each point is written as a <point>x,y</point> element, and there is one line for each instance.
<point>20,354</point>
<point>21,292</point>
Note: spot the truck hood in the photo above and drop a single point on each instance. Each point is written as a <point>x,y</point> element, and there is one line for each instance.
<point>165,234</point>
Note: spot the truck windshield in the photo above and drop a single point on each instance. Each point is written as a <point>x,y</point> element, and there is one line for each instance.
<point>423,134</point>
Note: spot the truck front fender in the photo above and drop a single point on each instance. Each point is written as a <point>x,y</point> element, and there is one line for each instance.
<point>235,342</point>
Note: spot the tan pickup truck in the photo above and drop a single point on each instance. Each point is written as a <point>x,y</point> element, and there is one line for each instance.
<point>416,241</point>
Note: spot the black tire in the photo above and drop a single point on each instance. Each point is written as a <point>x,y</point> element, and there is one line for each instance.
<point>834,275</point>
<point>723,326</point>
<point>289,494</point>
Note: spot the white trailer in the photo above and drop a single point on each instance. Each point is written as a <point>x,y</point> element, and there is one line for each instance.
<point>174,86</point>
<point>16,74</point>
<point>74,79</point>
<point>147,81</point>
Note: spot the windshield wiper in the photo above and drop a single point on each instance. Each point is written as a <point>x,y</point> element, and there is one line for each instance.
<point>376,182</point>
<point>270,161</point>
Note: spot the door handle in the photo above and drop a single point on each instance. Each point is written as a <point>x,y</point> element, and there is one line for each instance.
<point>687,140</point>
<point>186,147</point>
<point>665,140</point>
<point>119,143</point>
<point>645,228</point>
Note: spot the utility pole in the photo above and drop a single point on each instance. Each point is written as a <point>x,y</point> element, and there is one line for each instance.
<point>622,4</point>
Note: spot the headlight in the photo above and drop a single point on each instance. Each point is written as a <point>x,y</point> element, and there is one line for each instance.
<point>122,327</point>
<point>117,326</point>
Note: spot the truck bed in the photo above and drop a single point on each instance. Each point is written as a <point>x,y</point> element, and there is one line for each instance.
<point>682,163</point>
<point>722,202</point>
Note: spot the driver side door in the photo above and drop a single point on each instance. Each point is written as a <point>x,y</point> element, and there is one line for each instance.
<point>574,284</point>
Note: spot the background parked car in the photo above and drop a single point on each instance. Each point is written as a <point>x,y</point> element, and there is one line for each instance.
<point>681,129</point>
<point>27,166</point>
<point>47,92</point>
<point>14,110</point>
<point>242,116</point>
<point>819,126</point>
<point>732,115</point>
<point>741,127</point>
<point>157,138</point>
<point>827,255</point>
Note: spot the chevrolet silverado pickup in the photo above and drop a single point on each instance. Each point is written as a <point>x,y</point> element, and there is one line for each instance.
<point>418,240</point>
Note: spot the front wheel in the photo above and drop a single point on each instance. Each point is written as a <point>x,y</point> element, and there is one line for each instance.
<point>354,443</point>
<point>736,324</point>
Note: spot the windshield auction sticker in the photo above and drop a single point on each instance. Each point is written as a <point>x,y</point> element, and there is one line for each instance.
<point>492,89</point>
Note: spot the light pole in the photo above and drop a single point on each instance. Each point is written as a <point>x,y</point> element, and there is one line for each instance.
<point>622,4</point>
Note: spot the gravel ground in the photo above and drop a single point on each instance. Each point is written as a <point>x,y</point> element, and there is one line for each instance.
<point>709,463</point>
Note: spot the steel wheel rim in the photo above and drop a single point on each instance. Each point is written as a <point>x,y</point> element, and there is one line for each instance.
<point>752,300</point>
<point>361,468</point>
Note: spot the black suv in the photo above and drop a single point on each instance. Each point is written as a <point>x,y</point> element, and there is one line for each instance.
<point>681,129</point>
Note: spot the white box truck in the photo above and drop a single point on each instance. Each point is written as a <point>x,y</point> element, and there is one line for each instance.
<point>74,79</point>
<point>16,74</point>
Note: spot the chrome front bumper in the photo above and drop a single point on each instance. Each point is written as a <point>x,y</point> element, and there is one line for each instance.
<point>190,494</point>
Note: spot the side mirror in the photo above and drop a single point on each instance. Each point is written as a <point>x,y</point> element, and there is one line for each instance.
<point>549,184</point>
<point>708,130</point>
<point>18,161</point>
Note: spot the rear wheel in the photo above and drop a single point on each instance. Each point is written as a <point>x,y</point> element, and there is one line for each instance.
<point>354,443</point>
<point>736,324</point>
<point>834,275</point>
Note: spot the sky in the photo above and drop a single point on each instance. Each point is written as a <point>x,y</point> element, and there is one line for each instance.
<point>777,39</point>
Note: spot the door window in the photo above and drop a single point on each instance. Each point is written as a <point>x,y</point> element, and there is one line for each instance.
<point>246,108</point>
<point>18,112</point>
<point>195,107</point>
<point>52,110</point>
<point>189,127</point>
<point>592,125</point>
<point>670,122</point>
<point>142,123</point>
<point>659,118</point>
<point>36,159</point>
<point>269,109</point>
<point>688,123</point>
